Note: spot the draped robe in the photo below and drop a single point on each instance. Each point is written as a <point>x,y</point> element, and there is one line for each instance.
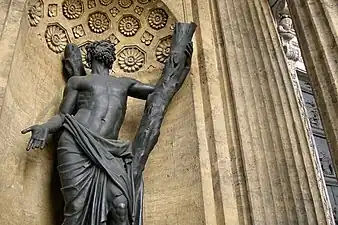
<point>92,170</point>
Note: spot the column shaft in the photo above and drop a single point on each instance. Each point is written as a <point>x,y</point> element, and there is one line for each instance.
<point>281,176</point>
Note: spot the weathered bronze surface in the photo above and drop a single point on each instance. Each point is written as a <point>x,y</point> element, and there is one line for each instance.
<point>101,176</point>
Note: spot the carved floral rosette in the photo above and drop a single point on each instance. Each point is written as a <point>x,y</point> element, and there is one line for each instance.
<point>98,22</point>
<point>91,4</point>
<point>113,39</point>
<point>35,12</point>
<point>147,38</point>
<point>125,3</point>
<point>72,9</point>
<point>78,31</point>
<point>129,25</point>
<point>84,53</point>
<point>56,38</point>
<point>138,10</point>
<point>158,18</point>
<point>143,24</point>
<point>106,2</point>
<point>131,59</point>
<point>163,49</point>
<point>114,11</point>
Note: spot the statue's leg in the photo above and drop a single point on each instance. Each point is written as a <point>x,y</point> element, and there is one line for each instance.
<point>74,173</point>
<point>119,211</point>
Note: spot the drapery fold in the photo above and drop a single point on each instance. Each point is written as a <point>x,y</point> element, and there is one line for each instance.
<point>91,168</point>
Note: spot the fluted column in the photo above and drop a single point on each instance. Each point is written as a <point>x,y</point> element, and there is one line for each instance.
<point>11,12</point>
<point>280,173</point>
<point>316,25</point>
<point>259,152</point>
<point>4,5</point>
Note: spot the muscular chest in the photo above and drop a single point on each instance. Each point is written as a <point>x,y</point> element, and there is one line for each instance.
<point>102,92</point>
<point>103,86</point>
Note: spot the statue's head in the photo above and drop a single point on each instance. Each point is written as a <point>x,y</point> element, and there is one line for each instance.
<point>102,51</point>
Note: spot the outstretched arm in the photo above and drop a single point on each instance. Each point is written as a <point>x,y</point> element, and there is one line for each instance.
<point>67,106</point>
<point>140,90</point>
<point>40,132</point>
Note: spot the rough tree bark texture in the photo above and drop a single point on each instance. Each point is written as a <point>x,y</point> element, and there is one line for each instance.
<point>175,71</point>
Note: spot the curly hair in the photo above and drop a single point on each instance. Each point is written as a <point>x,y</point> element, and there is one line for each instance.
<point>103,51</point>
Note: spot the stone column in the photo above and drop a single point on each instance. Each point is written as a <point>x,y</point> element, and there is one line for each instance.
<point>10,18</point>
<point>316,25</point>
<point>251,122</point>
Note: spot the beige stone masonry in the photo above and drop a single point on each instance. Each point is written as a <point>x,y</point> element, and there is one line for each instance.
<point>257,93</point>
<point>223,185</point>
<point>316,25</point>
<point>29,188</point>
<point>4,4</point>
<point>10,18</point>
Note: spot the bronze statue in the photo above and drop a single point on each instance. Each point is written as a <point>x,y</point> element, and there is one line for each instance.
<point>101,176</point>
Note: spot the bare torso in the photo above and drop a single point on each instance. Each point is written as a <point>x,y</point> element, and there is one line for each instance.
<point>101,103</point>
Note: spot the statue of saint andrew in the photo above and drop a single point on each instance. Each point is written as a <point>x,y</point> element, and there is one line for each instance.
<point>100,175</point>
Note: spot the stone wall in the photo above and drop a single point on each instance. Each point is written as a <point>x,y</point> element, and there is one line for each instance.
<point>34,90</point>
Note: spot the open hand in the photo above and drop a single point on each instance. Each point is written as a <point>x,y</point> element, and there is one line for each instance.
<point>38,138</point>
<point>189,49</point>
